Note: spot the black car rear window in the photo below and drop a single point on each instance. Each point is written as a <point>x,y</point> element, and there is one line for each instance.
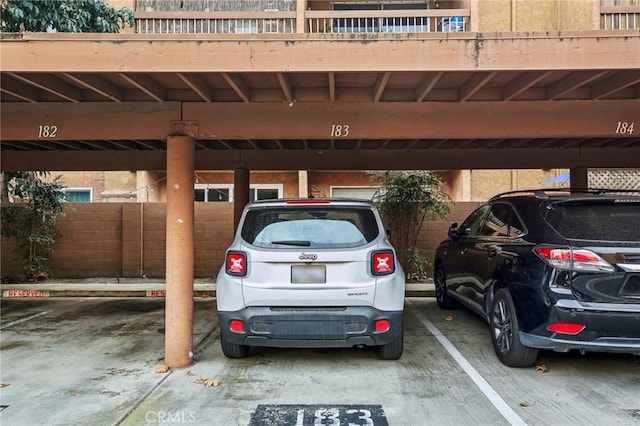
<point>318,227</point>
<point>608,220</point>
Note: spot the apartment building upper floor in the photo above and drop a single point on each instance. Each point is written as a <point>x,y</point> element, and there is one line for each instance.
<point>378,17</point>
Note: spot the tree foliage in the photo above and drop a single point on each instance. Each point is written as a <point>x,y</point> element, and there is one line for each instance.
<point>65,16</point>
<point>405,200</point>
<point>31,219</point>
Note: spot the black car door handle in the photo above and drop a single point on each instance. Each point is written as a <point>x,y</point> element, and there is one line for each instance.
<point>464,250</point>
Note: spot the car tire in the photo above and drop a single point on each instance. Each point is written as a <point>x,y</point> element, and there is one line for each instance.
<point>393,350</point>
<point>443,299</point>
<point>504,333</point>
<point>233,350</point>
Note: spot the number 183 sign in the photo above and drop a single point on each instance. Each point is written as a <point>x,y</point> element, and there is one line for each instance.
<point>319,415</point>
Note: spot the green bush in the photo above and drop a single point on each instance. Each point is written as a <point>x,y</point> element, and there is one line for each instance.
<point>405,200</point>
<point>31,219</point>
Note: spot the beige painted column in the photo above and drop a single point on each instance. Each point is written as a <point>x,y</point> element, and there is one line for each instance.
<point>179,257</point>
<point>466,185</point>
<point>301,6</point>
<point>303,184</point>
<point>474,24</point>
<point>578,178</point>
<point>240,194</point>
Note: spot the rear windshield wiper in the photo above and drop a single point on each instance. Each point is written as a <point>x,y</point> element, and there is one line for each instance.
<point>293,243</point>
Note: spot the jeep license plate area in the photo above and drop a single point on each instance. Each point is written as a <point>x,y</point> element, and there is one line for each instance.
<point>308,274</point>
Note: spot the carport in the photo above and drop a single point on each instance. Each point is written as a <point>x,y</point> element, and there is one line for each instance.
<point>182,103</point>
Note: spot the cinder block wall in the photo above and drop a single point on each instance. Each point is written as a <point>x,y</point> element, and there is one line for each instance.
<point>434,231</point>
<point>128,240</point>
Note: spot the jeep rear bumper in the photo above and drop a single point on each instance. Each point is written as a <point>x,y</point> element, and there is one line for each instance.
<point>309,327</point>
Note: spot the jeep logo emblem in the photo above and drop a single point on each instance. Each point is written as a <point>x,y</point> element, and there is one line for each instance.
<point>305,256</point>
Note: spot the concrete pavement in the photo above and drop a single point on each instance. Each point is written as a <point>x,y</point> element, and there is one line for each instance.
<point>92,361</point>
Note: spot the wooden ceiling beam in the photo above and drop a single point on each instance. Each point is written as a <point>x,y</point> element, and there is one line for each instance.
<point>146,145</point>
<point>332,86</point>
<point>521,83</point>
<point>93,145</point>
<point>198,85</point>
<point>474,83</point>
<point>314,121</point>
<point>573,81</point>
<point>97,84</point>
<point>285,85</point>
<point>614,83</point>
<point>120,144</point>
<point>311,159</point>
<point>145,84</point>
<point>426,85</point>
<point>51,84</point>
<point>381,83</point>
<point>20,90</point>
<point>239,86</point>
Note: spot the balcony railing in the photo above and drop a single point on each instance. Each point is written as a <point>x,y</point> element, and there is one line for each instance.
<point>387,21</point>
<point>620,17</point>
<point>215,22</point>
<point>277,22</point>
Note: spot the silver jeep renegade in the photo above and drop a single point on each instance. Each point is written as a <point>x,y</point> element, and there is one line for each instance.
<point>311,273</point>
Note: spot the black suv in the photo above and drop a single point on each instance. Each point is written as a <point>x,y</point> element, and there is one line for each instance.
<point>548,269</point>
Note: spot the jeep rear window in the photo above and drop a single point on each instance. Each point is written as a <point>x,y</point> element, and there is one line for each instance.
<point>609,220</point>
<point>318,227</point>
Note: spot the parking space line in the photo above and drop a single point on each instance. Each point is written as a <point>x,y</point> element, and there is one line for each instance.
<point>27,318</point>
<point>480,382</point>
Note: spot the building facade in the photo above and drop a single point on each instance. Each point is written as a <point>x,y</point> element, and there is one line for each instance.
<point>350,17</point>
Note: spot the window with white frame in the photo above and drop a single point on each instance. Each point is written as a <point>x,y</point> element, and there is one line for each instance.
<point>210,193</point>
<point>265,192</point>
<point>206,193</point>
<point>361,192</point>
<point>78,195</point>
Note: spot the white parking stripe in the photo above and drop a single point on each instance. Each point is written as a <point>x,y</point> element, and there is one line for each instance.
<point>482,384</point>
<point>18,321</point>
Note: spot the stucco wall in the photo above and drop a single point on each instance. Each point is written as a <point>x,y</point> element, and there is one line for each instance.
<point>128,240</point>
<point>532,15</point>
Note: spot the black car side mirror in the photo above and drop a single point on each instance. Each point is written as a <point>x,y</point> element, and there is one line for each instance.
<point>453,231</point>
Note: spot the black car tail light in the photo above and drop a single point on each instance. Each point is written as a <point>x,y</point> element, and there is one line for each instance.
<point>382,262</point>
<point>236,263</point>
<point>566,328</point>
<point>567,258</point>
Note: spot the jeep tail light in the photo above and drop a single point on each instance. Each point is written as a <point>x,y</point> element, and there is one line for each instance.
<point>566,328</point>
<point>382,262</point>
<point>237,326</point>
<point>571,259</point>
<point>236,263</point>
<point>382,325</point>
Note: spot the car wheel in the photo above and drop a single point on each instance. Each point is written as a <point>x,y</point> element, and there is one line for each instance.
<point>233,350</point>
<point>504,333</point>
<point>444,300</point>
<point>392,350</point>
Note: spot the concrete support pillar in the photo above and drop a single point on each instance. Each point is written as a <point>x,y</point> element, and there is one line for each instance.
<point>240,194</point>
<point>179,257</point>
<point>578,178</point>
